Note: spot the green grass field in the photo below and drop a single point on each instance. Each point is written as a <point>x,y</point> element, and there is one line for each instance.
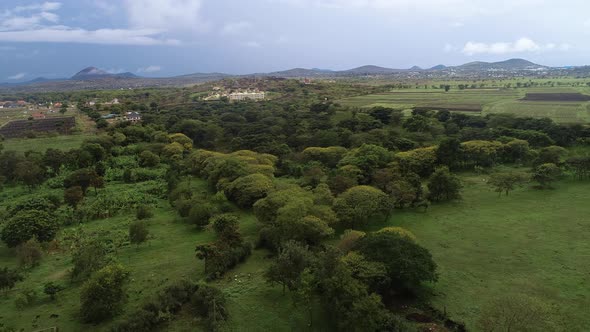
<point>62,142</point>
<point>532,242</point>
<point>490,101</point>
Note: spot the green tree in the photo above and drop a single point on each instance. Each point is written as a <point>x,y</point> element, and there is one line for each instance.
<point>87,257</point>
<point>138,232</point>
<point>28,224</point>
<point>148,159</point>
<point>443,185</point>
<point>73,196</point>
<point>29,173</point>
<point>407,263</point>
<point>504,182</point>
<point>144,212</point>
<point>29,253</point>
<point>358,205</point>
<point>102,296</point>
<point>546,174</point>
<point>449,153</point>
<point>286,269</point>
<point>246,190</point>
<point>9,278</point>
<point>200,213</point>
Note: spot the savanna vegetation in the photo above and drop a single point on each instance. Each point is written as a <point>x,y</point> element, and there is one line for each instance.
<point>295,213</point>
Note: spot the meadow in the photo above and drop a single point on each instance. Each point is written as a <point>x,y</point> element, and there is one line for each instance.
<point>482,102</point>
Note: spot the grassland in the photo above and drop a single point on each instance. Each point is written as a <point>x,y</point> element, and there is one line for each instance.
<point>489,101</point>
<point>531,243</point>
<point>41,144</point>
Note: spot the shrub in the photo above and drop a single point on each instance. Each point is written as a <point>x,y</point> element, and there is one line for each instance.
<point>28,224</point>
<point>144,212</point>
<point>51,289</point>
<point>25,298</point>
<point>200,213</point>
<point>102,295</point>
<point>29,253</point>
<point>138,232</point>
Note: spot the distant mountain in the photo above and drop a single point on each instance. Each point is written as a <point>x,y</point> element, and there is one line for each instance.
<point>92,73</point>
<point>511,64</point>
<point>92,78</point>
<point>438,67</point>
<point>371,70</point>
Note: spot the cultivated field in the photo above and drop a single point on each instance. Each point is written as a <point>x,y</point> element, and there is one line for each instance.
<point>557,105</point>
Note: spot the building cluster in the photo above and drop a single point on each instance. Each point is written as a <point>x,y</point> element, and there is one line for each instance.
<point>133,117</point>
<point>13,104</point>
<point>108,103</point>
<point>239,95</point>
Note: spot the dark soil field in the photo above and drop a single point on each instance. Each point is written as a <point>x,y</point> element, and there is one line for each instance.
<point>556,97</point>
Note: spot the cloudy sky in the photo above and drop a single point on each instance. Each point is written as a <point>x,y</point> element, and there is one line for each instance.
<point>173,37</point>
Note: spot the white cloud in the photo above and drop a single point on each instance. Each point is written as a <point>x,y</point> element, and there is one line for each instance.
<point>115,70</point>
<point>236,28</point>
<point>519,46</point>
<point>46,6</point>
<point>40,25</point>
<point>167,15</point>
<point>17,76</point>
<point>457,24</point>
<point>149,69</point>
<point>75,35</point>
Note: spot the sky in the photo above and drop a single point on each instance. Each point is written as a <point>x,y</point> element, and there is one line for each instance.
<point>161,38</point>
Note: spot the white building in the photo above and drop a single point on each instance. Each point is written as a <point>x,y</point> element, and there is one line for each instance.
<point>238,96</point>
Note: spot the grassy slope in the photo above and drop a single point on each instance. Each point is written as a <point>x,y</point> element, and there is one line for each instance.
<point>42,144</point>
<point>532,242</point>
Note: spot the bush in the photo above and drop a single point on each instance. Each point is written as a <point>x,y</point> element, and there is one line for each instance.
<point>29,254</point>
<point>102,295</point>
<point>144,212</point>
<point>138,232</point>
<point>25,298</point>
<point>209,302</point>
<point>200,213</point>
<point>28,224</point>
<point>51,289</point>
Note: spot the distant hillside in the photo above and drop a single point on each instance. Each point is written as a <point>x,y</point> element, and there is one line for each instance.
<point>92,73</point>
<point>93,78</point>
<point>511,64</point>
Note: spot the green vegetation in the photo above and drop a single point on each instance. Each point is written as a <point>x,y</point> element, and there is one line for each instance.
<point>298,213</point>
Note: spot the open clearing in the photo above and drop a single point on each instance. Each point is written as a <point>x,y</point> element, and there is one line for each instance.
<point>490,101</point>
<point>532,242</point>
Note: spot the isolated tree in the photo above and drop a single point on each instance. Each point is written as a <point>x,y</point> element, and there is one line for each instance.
<point>138,232</point>
<point>286,269</point>
<point>9,278</point>
<point>546,174</point>
<point>408,264</point>
<point>28,224</point>
<point>102,296</point>
<point>29,253</point>
<point>358,205</point>
<point>73,196</point>
<point>443,185</point>
<point>505,182</point>
<point>51,289</point>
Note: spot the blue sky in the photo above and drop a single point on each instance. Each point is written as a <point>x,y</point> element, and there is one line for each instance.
<point>173,37</point>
